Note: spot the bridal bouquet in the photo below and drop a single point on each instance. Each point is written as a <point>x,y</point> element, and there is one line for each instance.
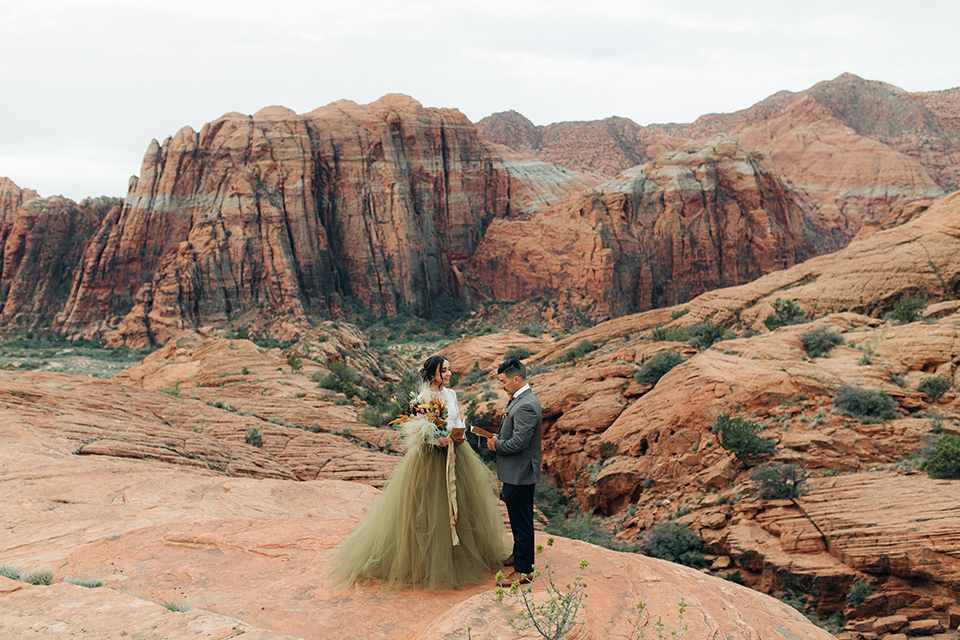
<point>423,420</point>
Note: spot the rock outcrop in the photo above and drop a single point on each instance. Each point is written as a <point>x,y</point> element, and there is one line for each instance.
<point>11,197</point>
<point>232,556</point>
<point>854,150</point>
<point>42,242</point>
<point>659,234</point>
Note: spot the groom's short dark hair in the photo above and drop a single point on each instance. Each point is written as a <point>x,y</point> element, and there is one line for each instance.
<point>513,367</point>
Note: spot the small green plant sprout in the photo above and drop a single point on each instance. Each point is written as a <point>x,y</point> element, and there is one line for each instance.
<point>179,607</point>
<point>253,437</point>
<point>934,387</point>
<point>785,312</point>
<point>173,389</point>
<point>557,615</point>
<point>659,626</point>
<point>818,341</point>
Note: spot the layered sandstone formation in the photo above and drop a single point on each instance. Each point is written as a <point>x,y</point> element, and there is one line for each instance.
<point>11,197</point>
<point>291,216</point>
<point>700,218</point>
<point>854,150</point>
<point>42,242</point>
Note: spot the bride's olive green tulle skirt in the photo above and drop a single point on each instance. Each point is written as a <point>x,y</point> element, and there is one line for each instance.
<point>405,541</point>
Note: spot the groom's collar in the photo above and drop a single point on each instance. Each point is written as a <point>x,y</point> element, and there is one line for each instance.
<point>520,391</point>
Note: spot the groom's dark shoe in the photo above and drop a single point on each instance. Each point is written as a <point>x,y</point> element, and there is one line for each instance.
<point>509,561</point>
<point>515,578</point>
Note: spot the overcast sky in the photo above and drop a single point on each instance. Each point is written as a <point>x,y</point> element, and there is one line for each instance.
<point>86,84</point>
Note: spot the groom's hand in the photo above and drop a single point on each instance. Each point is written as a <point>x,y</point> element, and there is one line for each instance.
<point>492,443</point>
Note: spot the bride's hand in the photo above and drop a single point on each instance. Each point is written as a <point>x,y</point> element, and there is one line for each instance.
<point>442,442</point>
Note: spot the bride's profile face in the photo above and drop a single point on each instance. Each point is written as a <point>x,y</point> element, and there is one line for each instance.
<point>442,377</point>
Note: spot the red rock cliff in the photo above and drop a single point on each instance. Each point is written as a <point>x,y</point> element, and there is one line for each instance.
<point>293,214</point>
<point>41,244</point>
<point>659,234</point>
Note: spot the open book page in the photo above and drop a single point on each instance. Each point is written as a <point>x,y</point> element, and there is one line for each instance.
<point>483,433</point>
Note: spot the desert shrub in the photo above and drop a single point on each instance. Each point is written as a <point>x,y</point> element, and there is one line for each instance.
<point>679,313</point>
<point>178,607</point>
<point>741,437</point>
<point>295,362</point>
<point>865,405</point>
<point>9,572</point>
<point>657,366</point>
<point>934,386</point>
<point>705,334</point>
<point>944,462</point>
<point>253,437</point>
<point>819,341</point>
<point>242,334</point>
<point>173,389</point>
<point>858,592</point>
<point>584,347</point>
<point>779,481</point>
<point>909,308</point>
<point>39,576</point>
<point>674,542</point>
<point>785,312</point>
<point>89,584</point>
<point>532,330</point>
<point>342,379</point>
<point>475,375</point>
<point>520,353</point>
<point>734,576</point>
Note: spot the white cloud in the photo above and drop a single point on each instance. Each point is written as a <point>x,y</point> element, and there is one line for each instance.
<point>106,76</point>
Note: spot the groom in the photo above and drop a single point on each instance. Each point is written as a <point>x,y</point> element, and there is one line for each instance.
<point>518,464</point>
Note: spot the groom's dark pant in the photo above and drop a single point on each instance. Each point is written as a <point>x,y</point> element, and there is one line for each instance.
<point>519,501</point>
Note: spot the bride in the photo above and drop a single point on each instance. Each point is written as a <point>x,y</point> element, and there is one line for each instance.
<point>437,524</point>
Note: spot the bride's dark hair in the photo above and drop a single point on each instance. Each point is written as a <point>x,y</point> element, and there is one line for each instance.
<point>429,371</point>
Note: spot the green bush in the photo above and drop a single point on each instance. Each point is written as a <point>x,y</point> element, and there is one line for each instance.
<point>295,362</point>
<point>944,462</point>
<point>909,307</point>
<point>532,330</point>
<point>780,481</point>
<point>703,335</point>
<point>9,572</point>
<point>173,389</point>
<point>657,366</point>
<point>584,347</point>
<point>819,341</point>
<point>934,386</point>
<point>679,313</point>
<point>475,375</point>
<point>342,379</point>
<point>785,312</point>
<point>520,353</point>
<point>253,437</point>
<point>674,542</point>
<point>742,437</point>
<point>858,592</point>
<point>865,405</point>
